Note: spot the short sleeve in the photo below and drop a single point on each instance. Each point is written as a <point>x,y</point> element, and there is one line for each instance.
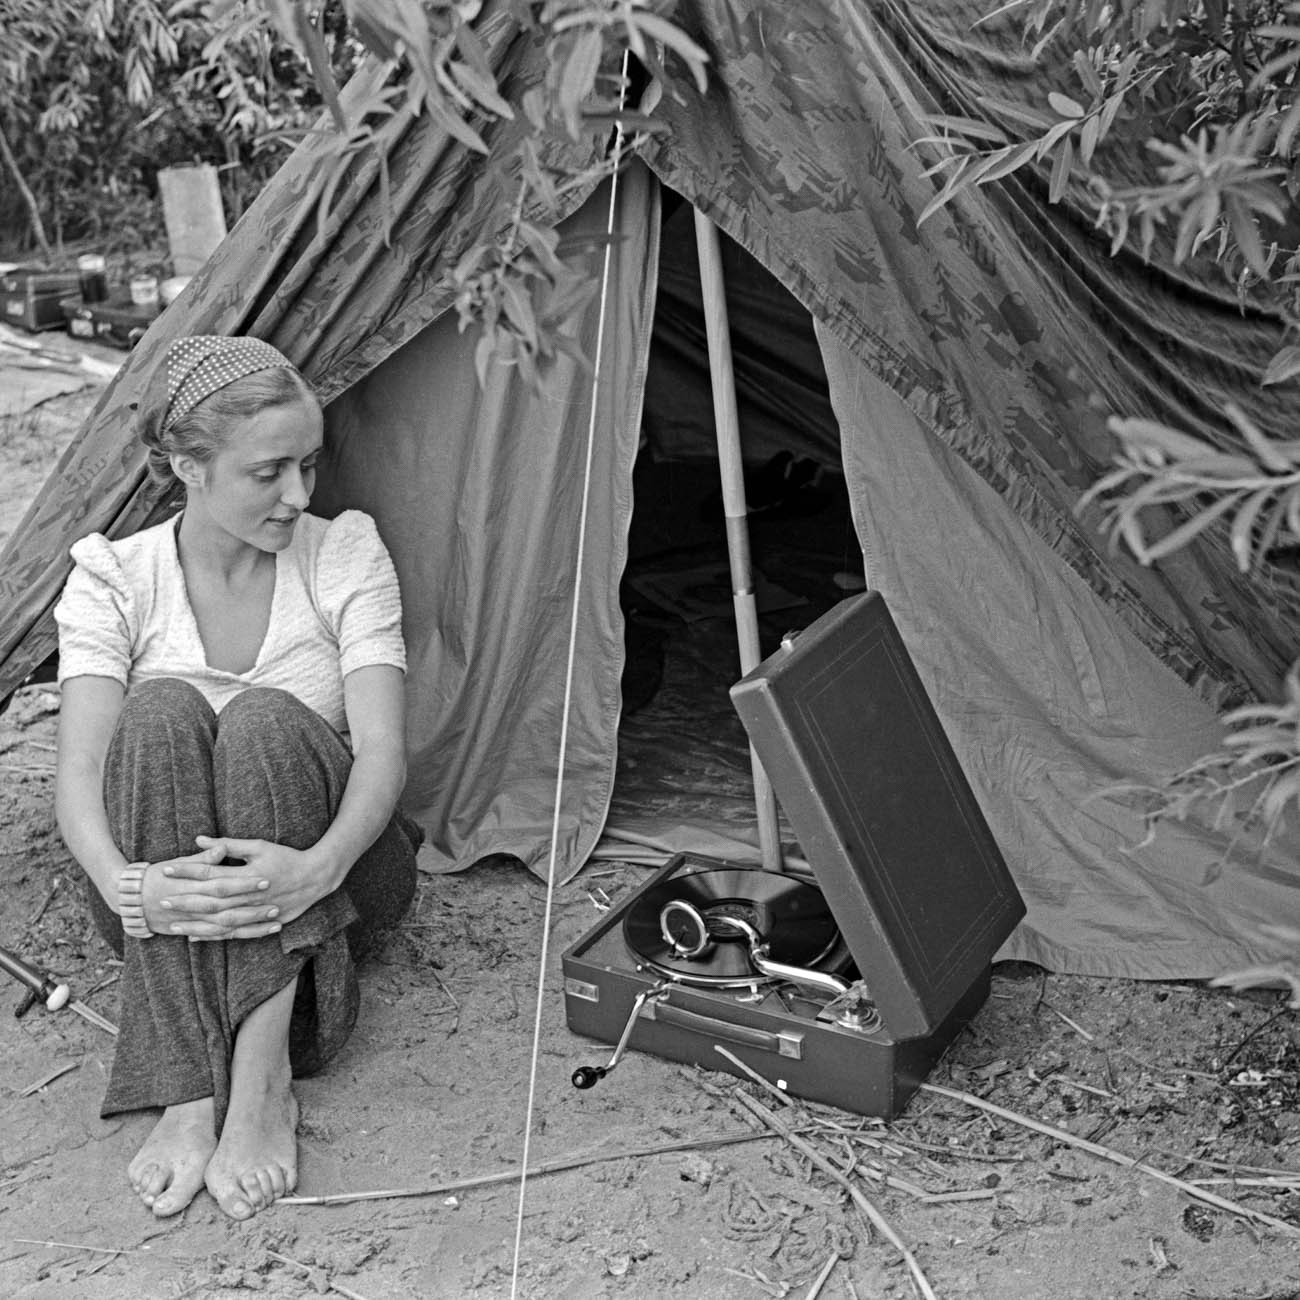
<point>95,614</point>
<point>357,589</point>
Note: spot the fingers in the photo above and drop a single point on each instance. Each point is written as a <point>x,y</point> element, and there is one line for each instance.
<point>217,894</point>
<point>209,931</point>
<point>231,848</point>
<point>198,866</point>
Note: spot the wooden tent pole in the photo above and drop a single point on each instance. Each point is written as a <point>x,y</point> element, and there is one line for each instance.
<point>722,377</point>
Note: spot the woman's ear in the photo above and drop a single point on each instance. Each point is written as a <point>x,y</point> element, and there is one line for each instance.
<point>187,469</point>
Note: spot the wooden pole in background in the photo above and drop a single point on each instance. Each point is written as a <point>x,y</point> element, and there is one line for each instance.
<point>730,466</point>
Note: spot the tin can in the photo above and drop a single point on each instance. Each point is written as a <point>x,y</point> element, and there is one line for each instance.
<point>93,277</point>
<point>144,291</point>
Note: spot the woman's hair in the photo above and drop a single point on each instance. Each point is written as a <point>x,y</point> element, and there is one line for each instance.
<point>202,431</point>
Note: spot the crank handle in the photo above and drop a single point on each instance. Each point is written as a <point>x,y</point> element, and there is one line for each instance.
<point>588,1076</point>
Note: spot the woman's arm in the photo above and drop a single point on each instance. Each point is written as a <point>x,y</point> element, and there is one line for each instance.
<point>88,711</point>
<point>374,700</point>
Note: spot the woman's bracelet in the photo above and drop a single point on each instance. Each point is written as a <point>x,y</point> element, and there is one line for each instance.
<point>130,900</point>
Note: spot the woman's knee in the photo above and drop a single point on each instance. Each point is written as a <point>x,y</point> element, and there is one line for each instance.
<point>265,712</point>
<point>165,703</point>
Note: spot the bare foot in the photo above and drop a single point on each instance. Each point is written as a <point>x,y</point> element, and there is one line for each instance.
<point>256,1160</point>
<point>168,1170</point>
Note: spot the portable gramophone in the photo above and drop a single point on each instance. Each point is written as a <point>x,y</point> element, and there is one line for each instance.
<point>845,983</point>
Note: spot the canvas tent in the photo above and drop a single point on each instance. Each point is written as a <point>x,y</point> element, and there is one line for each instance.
<point>969,364</point>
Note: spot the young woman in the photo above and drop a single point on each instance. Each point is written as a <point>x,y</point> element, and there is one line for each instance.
<point>231,752</point>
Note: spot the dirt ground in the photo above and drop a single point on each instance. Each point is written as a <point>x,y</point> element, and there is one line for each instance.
<point>670,1186</point>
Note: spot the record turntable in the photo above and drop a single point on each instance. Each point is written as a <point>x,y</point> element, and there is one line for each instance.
<point>843,985</point>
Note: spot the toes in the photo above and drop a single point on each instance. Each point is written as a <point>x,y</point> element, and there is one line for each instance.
<point>232,1201</point>
<point>238,1208</point>
<point>148,1181</point>
<point>254,1190</point>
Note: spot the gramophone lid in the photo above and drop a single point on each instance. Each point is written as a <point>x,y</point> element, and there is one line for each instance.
<point>861,764</point>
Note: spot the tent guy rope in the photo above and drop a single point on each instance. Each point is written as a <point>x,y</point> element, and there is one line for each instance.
<point>570,662</point>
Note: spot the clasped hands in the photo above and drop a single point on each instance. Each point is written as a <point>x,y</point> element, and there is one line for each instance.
<point>198,897</point>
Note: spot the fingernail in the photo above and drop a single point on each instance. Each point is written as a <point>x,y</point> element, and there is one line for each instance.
<point>166,903</point>
<point>275,928</point>
<point>264,884</point>
<point>176,929</point>
<point>169,871</point>
<point>272,912</point>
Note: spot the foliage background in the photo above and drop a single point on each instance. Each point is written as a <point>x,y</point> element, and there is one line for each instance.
<point>96,98</point>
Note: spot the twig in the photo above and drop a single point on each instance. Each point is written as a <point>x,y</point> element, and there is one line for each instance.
<point>49,898</point>
<point>557,1166</point>
<point>1227,1165</point>
<point>971,1194</point>
<point>1115,1157</point>
<point>820,1281</point>
<point>49,1078</point>
<point>878,1173</point>
<point>1078,1029</point>
<point>877,1220</point>
<point>106,982</point>
<point>330,1283</point>
<point>76,1245</point>
<point>966,1153</point>
<point>1066,1082</point>
<point>1250,1037</point>
<point>1292,1181</point>
<point>448,994</point>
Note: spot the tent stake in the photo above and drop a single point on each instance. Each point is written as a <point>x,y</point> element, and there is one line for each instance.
<point>730,466</point>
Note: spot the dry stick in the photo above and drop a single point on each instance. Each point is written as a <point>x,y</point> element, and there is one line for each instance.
<point>820,1281</point>
<point>558,1166</point>
<point>76,1245</point>
<point>1292,1181</point>
<point>874,1171</point>
<point>309,1270</point>
<point>877,1220</point>
<point>1115,1157</point>
<point>1227,1164</point>
<point>1078,1029</point>
<point>103,984</point>
<point>49,898</point>
<point>874,1217</point>
<point>965,1153</point>
<point>49,1078</point>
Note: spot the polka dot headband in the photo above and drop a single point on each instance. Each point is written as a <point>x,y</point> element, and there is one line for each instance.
<point>194,368</point>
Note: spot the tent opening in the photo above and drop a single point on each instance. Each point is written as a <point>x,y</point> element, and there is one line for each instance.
<point>683,765</point>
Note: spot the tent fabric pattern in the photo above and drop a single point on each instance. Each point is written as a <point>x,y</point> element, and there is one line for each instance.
<point>1002,321</point>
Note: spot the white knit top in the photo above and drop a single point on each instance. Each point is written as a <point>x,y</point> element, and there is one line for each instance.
<point>125,614</point>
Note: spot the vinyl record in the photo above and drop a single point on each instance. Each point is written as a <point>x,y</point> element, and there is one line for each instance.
<point>791,915</point>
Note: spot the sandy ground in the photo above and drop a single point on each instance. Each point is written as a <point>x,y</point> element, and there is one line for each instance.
<point>670,1186</point>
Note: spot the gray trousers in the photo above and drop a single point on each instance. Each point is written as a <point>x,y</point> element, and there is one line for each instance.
<point>267,768</point>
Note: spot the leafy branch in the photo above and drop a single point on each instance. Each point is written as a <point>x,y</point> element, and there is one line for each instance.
<point>514,282</point>
<point>1257,486</point>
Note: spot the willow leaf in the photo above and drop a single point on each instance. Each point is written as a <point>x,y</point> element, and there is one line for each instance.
<point>1186,531</point>
<point>1062,164</point>
<point>1243,527</point>
<point>1286,363</point>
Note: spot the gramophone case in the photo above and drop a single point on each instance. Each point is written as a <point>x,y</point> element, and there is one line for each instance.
<point>897,844</point>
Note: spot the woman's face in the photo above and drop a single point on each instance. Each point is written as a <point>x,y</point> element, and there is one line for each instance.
<point>260,481</point>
